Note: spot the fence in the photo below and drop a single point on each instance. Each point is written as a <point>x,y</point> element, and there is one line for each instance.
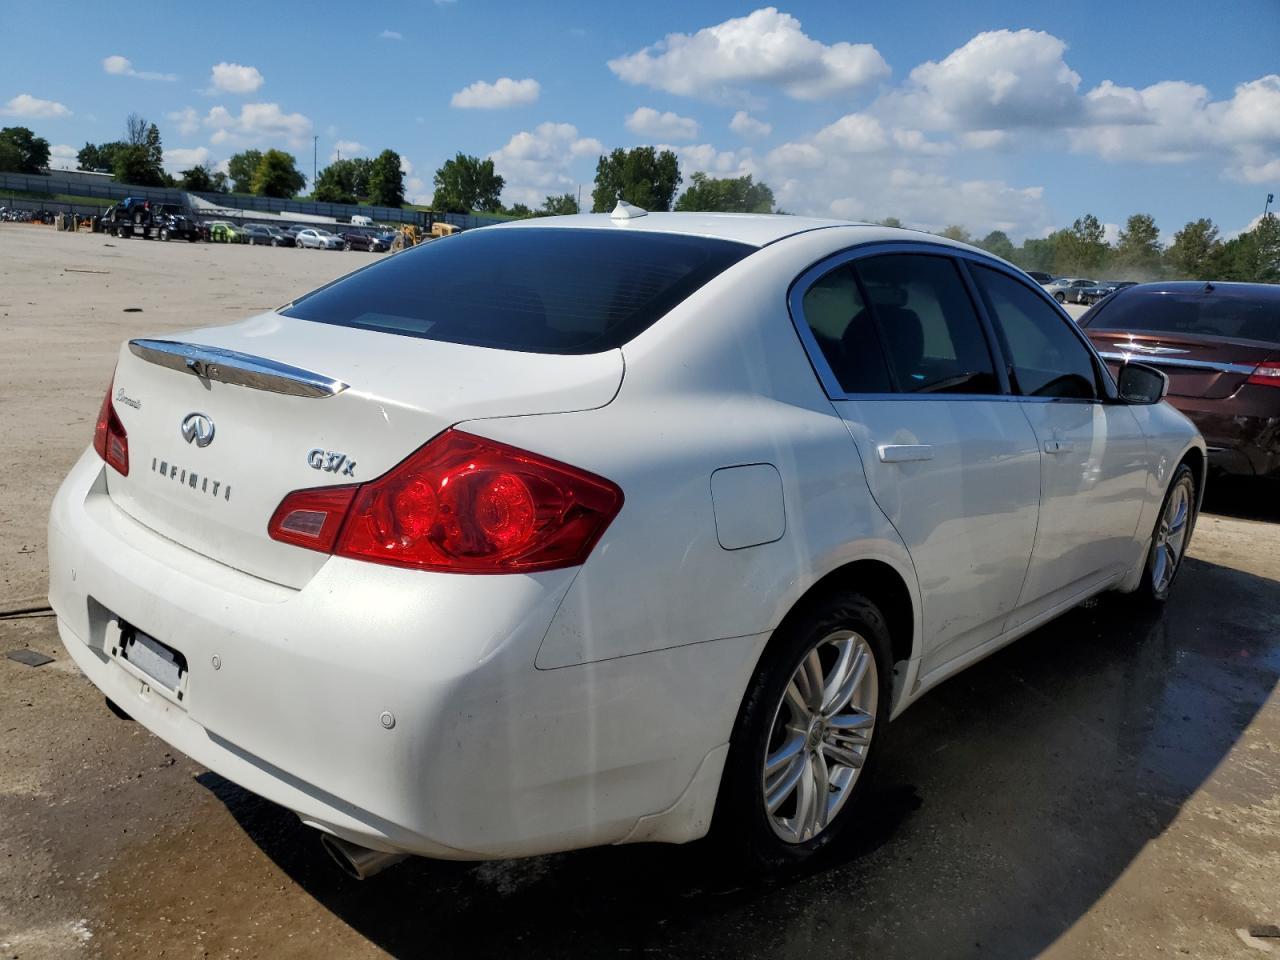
<point>87,185</point>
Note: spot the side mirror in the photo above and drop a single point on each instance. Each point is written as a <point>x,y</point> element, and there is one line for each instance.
<point>1141,383</point>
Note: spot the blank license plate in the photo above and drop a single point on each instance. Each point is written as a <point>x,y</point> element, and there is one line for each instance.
<point>161,663</point>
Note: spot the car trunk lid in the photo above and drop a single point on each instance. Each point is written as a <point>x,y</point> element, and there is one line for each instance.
<point>1204,366</point>
<point>223,422</point>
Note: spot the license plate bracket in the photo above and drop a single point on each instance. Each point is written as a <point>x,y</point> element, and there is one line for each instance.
<point>162,667</point>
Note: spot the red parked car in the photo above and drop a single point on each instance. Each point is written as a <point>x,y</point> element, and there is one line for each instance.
<point>1219,343</point>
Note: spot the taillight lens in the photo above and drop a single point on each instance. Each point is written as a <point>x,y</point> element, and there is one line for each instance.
<point>109,436</point>
<point>311,518</point>
<point>459,504</point>
<point>1267,375</point>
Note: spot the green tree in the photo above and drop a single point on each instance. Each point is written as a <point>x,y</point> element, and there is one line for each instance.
<point>198,179</point>
<point>467,183</point>
<point>727,195</point>
<point>241,168</point>
<point>1193,246</point>
<point>1138,249</point>
<point>21,151</point>
<point>1040,253</point>
<point>1253,256</point>
<point>139,160</point>
<point>641,176</point>
<point>998,242</point>
<point>220,182</point>
<point>520,211</point>
<point>558,206</point>
<point>277,175</point>
<point>386,180</point>
<point>956,232</point>
<point>1083,249</point>
<point>99,157</point>
<point>344,181</point>
<point>890,222</point>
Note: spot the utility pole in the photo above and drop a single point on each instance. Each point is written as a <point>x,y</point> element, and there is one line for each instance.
<point>315,151</point>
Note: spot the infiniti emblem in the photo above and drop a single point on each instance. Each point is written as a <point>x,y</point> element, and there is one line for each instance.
<point>197,428</point>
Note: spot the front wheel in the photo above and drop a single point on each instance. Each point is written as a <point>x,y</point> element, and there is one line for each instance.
<point>801,752</point>
<point>1060,297</point>
<point>1171,537</point>
<point>164,234</point>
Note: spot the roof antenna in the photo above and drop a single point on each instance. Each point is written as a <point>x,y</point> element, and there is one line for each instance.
<point>626,211</point>
<point>1208,286</point>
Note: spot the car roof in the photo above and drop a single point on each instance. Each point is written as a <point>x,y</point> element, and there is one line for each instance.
<point>756,229</point>
<point>1219,288</point>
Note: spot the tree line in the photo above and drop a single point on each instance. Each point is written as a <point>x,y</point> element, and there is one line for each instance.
<point>1197,251</point>
<point>650,178</point>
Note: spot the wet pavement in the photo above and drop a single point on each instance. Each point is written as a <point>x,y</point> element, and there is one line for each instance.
<point>1107,786</point>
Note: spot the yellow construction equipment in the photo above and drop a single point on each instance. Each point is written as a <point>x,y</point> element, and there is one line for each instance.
<point>410,236</point>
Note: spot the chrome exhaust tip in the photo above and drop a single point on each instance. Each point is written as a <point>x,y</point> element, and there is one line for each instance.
<point>357,861</point>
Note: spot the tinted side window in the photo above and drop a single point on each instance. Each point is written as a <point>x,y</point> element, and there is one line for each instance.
<point>1047,358</point>
<point>846,334</point>
<point>932,336</point>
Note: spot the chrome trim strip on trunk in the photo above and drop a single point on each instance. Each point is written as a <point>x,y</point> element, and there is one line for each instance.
<point>1175,362</point>
<point>241,369</point>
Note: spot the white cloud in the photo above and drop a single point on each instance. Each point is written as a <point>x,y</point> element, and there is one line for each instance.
<point>235,78</point>
<point>62,156</point>
<point>648,122</point>
<point>119,66</point>
<point>765,48</point>
<point>405,166</point>
<point>258,123</point>
<point>349,149</point>
<point>187,119</point>
<point>33,108</point>
<point>745,125</point>
<point>391,35</point>
<point>705,158</point>
<point>503,92</point>
<point>538,162</point>
<point>180,158</point>
<point>415,189</point>
<point>999,80</point>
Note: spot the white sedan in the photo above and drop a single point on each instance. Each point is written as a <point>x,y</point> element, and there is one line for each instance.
<point>318,239</point>
<point>603,529</point>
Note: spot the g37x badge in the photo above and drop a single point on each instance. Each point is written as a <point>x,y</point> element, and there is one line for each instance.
<point>330,461</point>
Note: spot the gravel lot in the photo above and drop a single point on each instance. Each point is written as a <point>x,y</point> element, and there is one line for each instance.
<point>1108,786</point>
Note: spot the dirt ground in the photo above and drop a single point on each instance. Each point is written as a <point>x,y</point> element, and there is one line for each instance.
<point>1108,786</point>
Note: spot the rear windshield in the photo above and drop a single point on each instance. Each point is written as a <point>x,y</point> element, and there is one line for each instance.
<point>548,290</point>
<point>1216,314</point>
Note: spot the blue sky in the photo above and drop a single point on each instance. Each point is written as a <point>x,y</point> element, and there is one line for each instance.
<point>1011,115</point>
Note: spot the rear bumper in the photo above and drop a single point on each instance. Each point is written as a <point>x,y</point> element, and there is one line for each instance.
<point>1240,440</point>
<point>485,756</point>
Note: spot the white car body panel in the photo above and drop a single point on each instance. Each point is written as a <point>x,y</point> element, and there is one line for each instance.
<point>594,704</point>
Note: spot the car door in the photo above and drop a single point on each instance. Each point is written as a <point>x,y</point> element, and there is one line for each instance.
<point>948,455</point>
<point>1093,454</point>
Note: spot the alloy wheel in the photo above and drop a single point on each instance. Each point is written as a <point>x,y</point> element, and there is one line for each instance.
<point>820,736</point>
<point>1171,536</point>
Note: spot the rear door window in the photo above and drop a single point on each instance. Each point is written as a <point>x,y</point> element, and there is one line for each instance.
<point>539,290</point>
<point>933,339</point>
<point>1047,358</point>
<point>845,332</point>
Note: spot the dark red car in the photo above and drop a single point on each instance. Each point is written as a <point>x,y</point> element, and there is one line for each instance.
<point>1219,343</point>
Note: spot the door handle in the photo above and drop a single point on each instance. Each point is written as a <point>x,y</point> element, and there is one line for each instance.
<point>904,452</point>
<point>1058,446</point>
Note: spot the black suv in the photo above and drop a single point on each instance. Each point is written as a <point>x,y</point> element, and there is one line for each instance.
<point>135,215</point>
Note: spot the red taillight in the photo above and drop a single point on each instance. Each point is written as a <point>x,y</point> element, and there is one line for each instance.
<point>311,518</point>
<point>460,504</point>
<point>109,436</point>
<point>1266,375</point>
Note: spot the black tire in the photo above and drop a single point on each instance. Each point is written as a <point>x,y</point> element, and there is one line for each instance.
<point>347,246</point>
<point>742,826</point>
<point>1060,297</point>
<point>1154,589</point>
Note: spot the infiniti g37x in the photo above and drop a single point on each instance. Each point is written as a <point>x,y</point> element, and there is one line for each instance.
<point>653,523</point>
